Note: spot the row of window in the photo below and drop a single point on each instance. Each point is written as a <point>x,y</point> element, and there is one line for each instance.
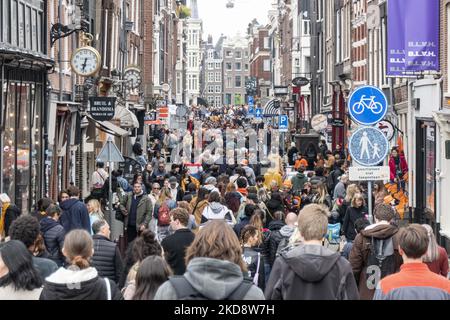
<point>237,54</point>
<point>218,89</point>
<point>214,77</point>
<point>237,66</point>
<point>215,101</point>
<point>216,65</point>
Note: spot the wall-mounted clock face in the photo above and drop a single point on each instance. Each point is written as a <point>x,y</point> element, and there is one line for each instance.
<point>133,78</point>
<point>85,61</point>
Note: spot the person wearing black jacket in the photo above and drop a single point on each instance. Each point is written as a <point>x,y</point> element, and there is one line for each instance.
<point>53,234</point>
<point>75,214</point>
<point>280,230</point>
<point>309,271</point>
<point>79,281</point>
<point>106,258</point>
<point>252,256</point>
<point>147,176</point>
<point>176,244</point>
<point>9,212</point>
<point>356,211</point>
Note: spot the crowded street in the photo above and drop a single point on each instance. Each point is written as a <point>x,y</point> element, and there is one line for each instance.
<point>256,150</point>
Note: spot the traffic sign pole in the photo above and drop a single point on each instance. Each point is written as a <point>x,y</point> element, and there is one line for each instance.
<point>110,183</point>
<point>369,190</point>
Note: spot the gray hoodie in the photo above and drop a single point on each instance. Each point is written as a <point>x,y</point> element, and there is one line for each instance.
<point>215,279</point>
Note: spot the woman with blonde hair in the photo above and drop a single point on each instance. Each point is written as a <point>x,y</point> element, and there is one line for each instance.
<point>436,258</point>
<point>215,268</point>
<point>163,206</point>
<point>356,211</point>
<point>95,212</point>
<point>79,281</point>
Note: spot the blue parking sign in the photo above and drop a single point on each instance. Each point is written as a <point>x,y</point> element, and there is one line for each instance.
<point>367,105</point>
<point>283,123</point>
<point>368,146</point>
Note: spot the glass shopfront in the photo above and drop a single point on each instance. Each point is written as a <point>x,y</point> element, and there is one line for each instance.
<point>21,142</point>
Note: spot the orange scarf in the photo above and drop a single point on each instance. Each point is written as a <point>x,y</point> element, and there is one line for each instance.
<point>2,218</point>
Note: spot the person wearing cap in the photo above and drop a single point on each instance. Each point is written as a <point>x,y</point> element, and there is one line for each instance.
<point>9,213</point>
<point>292,154</point>
<point>175,189</point>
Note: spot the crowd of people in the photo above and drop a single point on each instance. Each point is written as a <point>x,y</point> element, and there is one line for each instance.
<point>229,231</point>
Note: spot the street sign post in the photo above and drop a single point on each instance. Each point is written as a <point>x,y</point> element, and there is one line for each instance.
<point>369,173</point>
<point>367,105</point>
<point>368,147</point>
<point>259,113</point>
<point>283,124</point>
<point>110,153</point>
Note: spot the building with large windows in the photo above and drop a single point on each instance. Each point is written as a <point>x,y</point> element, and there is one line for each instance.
<point>212,85</point>
<point>236,70</point>
<point>193,54</point>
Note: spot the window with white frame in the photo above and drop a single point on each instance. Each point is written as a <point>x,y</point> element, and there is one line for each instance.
<point>266,43</point>
<point>266,66</point>
<point>238,54</point>
<point>229,82</point>
<point>210,76</point>
<point>218,77</point>
<point>218,101</point>
<point>229,66</point>
<point>238,66</point>
<point>238,81</point>
<point>210,89</point>
<point>218,89</point>
<point>218,65</point>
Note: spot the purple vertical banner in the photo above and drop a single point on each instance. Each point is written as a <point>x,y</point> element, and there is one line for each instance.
<point>413,37</point>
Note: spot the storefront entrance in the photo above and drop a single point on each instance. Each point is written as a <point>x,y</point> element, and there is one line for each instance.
<point>426,175</point>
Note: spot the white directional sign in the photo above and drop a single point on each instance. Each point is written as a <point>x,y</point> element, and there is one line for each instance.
<point>369,173</point>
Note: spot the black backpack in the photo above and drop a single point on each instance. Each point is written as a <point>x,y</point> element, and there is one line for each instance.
<point>185,291</point>
<point>331,182</point>
<point>381,261</point>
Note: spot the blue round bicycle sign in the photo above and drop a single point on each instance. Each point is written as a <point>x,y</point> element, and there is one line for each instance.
<point>367,105</point>
<point>368,146</point>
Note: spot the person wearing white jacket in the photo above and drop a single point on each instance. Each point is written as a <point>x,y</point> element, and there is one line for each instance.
<point>215,210</point>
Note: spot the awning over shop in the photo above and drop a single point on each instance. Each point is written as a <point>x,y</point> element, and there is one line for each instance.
<point>109,128</point>
<point>127,118</point>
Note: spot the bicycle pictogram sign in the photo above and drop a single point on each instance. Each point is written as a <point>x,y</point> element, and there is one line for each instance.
<point>367,105</point>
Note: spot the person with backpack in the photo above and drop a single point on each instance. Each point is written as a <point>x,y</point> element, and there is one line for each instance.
<point>281,236</point>
<point>334,175</point>
<point>137,208</point>
<point>99,177</point>
<point>310,271</point>
<point>79,281</point>
<point>414,281</point>
<point>253,258</point>
<point>375,254</point>
<point>215,269</point>
<point>215,210</point>
<point>161,213</point>
<point>299,180</point>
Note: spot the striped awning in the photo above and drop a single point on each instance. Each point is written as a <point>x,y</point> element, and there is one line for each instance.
<point>272,108</point>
